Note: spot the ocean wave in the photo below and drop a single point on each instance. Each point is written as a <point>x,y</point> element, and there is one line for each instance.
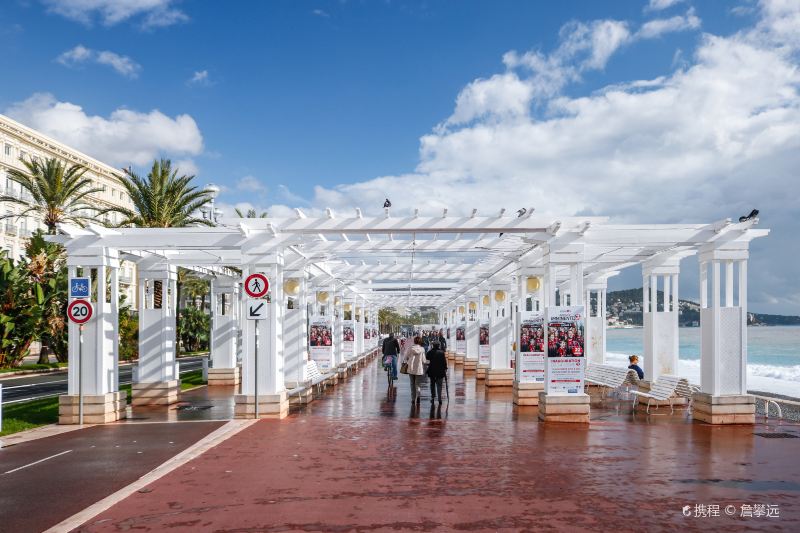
<point>691,368</point>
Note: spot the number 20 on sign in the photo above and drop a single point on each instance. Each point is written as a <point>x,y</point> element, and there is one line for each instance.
<point>79,311</point>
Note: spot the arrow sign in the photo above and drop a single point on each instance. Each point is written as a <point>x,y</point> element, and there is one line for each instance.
<point>256,309</point>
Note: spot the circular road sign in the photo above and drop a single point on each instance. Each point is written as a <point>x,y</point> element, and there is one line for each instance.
<point>256,285</point>
<point>79,311</point>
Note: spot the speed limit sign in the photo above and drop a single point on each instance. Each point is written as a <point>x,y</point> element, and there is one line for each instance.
<point>79,311</point>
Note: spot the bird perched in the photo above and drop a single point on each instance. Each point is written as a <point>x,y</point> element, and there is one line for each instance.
<point>387,203</point>
<point>753,214</point>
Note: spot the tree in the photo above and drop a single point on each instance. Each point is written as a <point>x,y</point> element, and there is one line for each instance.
<point>58,192</point>
<point>162,199</point>
<point>16,316</point>
<point>251,213</point>
<point>47,271</point>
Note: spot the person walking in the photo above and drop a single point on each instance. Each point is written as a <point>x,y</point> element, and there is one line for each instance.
<point>437,369</point>
<point>414,359</point>
<point>391,348</point>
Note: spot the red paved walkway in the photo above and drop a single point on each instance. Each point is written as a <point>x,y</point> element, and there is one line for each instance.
<point>360,461</point>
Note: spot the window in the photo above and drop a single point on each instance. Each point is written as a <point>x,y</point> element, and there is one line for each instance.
<point>104,187</point>
<point>113,193</point>
<point>8,149</point>
<point>22,154</point>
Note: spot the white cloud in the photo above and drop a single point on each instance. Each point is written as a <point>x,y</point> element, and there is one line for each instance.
<point>79,55</point>
<point>711,140</point>
<point>125,137</point>
<point>199,77</point>
<point>320,13</point>
<point>658,5</point>
<point>251,184</point>
<point>658,27</point>
<point>153,13</point>
<point>186,167</point>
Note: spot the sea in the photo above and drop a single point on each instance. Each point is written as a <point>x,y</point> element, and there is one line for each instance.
<point>773,355</point>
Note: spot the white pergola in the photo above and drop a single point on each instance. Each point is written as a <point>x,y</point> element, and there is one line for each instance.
<point>442,261</point>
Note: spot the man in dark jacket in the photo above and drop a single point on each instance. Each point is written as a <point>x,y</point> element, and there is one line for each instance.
<point>391,347</point>
<point>437,369</point>
<point>442,341</point>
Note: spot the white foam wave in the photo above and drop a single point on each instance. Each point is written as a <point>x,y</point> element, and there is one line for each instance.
<point>767,378</point>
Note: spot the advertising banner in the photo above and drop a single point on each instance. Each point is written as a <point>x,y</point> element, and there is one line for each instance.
<point>531,348</point>
<point>484,348</point>
<point>461,338</point>
<point>348,339</point>
<point>320,342</point>
<point>565,362</point>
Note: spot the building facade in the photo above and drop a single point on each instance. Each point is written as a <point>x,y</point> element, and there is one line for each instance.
<point>17,143</point>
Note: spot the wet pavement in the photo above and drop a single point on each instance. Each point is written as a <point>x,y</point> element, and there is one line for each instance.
<point>45,481</point>
<point>364,459</point>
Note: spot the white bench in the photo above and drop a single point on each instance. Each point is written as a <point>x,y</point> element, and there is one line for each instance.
<point>612,377</point>
<point>664,389</point>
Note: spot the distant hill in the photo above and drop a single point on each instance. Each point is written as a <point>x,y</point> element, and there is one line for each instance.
<point>625,306</point>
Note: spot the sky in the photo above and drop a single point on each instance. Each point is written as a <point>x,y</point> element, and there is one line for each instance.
<point>654,111</point>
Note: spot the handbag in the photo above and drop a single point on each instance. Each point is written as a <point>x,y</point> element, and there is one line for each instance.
<point>404,368</point>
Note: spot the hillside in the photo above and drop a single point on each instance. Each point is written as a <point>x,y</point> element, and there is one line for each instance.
<point>625,307</point>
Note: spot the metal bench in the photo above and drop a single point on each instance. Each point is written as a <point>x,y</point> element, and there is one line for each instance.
<point>612,377</point>
<point>666,388</point>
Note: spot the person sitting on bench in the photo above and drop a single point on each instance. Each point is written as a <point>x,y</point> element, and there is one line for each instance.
<point>634,359</point>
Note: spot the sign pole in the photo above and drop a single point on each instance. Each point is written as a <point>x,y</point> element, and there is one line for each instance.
<point>255,362</point>
<point>80,374</point>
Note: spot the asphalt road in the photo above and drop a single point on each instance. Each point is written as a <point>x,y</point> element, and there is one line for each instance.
<point>35,386</point>
<point>45,481</point>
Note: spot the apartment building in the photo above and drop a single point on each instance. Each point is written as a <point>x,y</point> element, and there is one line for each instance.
<point>18,142</point>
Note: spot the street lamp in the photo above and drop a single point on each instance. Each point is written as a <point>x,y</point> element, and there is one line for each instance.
<point>209,211</point>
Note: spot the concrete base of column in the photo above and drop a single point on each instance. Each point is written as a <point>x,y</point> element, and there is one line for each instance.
<point>341,371</point>
<point>527,393</point>
<point>480,371</point>
<point>224,376</point>
<point>450,355</point>
<point>97,409</point>
<point>573,408</point>
<point>158,393</point>
<point>459,358</point>
<point>499,377</point>
<point>738,409</point>
<point>333,376</point>
<point>269,405</point>
<point>470,365</point>
<point>305,397</point>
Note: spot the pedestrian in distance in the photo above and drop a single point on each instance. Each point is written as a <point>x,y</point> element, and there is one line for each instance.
<point>437,369</point>
<point>414,360</point>
<point>391,349</point>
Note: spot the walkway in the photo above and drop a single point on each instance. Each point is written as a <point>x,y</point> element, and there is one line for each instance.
<point>361,460</point>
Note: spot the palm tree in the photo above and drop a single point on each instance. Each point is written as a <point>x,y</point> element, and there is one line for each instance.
<point>162,199</point>
<point>58,192</point>
<point>251,213</point>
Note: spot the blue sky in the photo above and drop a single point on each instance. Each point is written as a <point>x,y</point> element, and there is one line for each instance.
<point>340,103</point>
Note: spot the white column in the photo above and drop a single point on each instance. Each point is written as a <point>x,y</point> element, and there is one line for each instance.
<point>723,353</point>
<point>93,369</point>
<point>661,333</point>
<point>472,331</point>
<point>262,361</point>
<point>224,332</point>
<point>500,372</point>
<point>158,379</point>
<point>295,328</point>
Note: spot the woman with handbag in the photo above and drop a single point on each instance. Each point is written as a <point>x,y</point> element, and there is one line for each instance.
<point>414,366</point>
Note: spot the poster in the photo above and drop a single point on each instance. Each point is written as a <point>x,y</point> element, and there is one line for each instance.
<point>484,348</point>
<point>348,338</point>
<point>320,342</point>
<point>461,339</point>
<point>531,348</point>
<point>565,364</point>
